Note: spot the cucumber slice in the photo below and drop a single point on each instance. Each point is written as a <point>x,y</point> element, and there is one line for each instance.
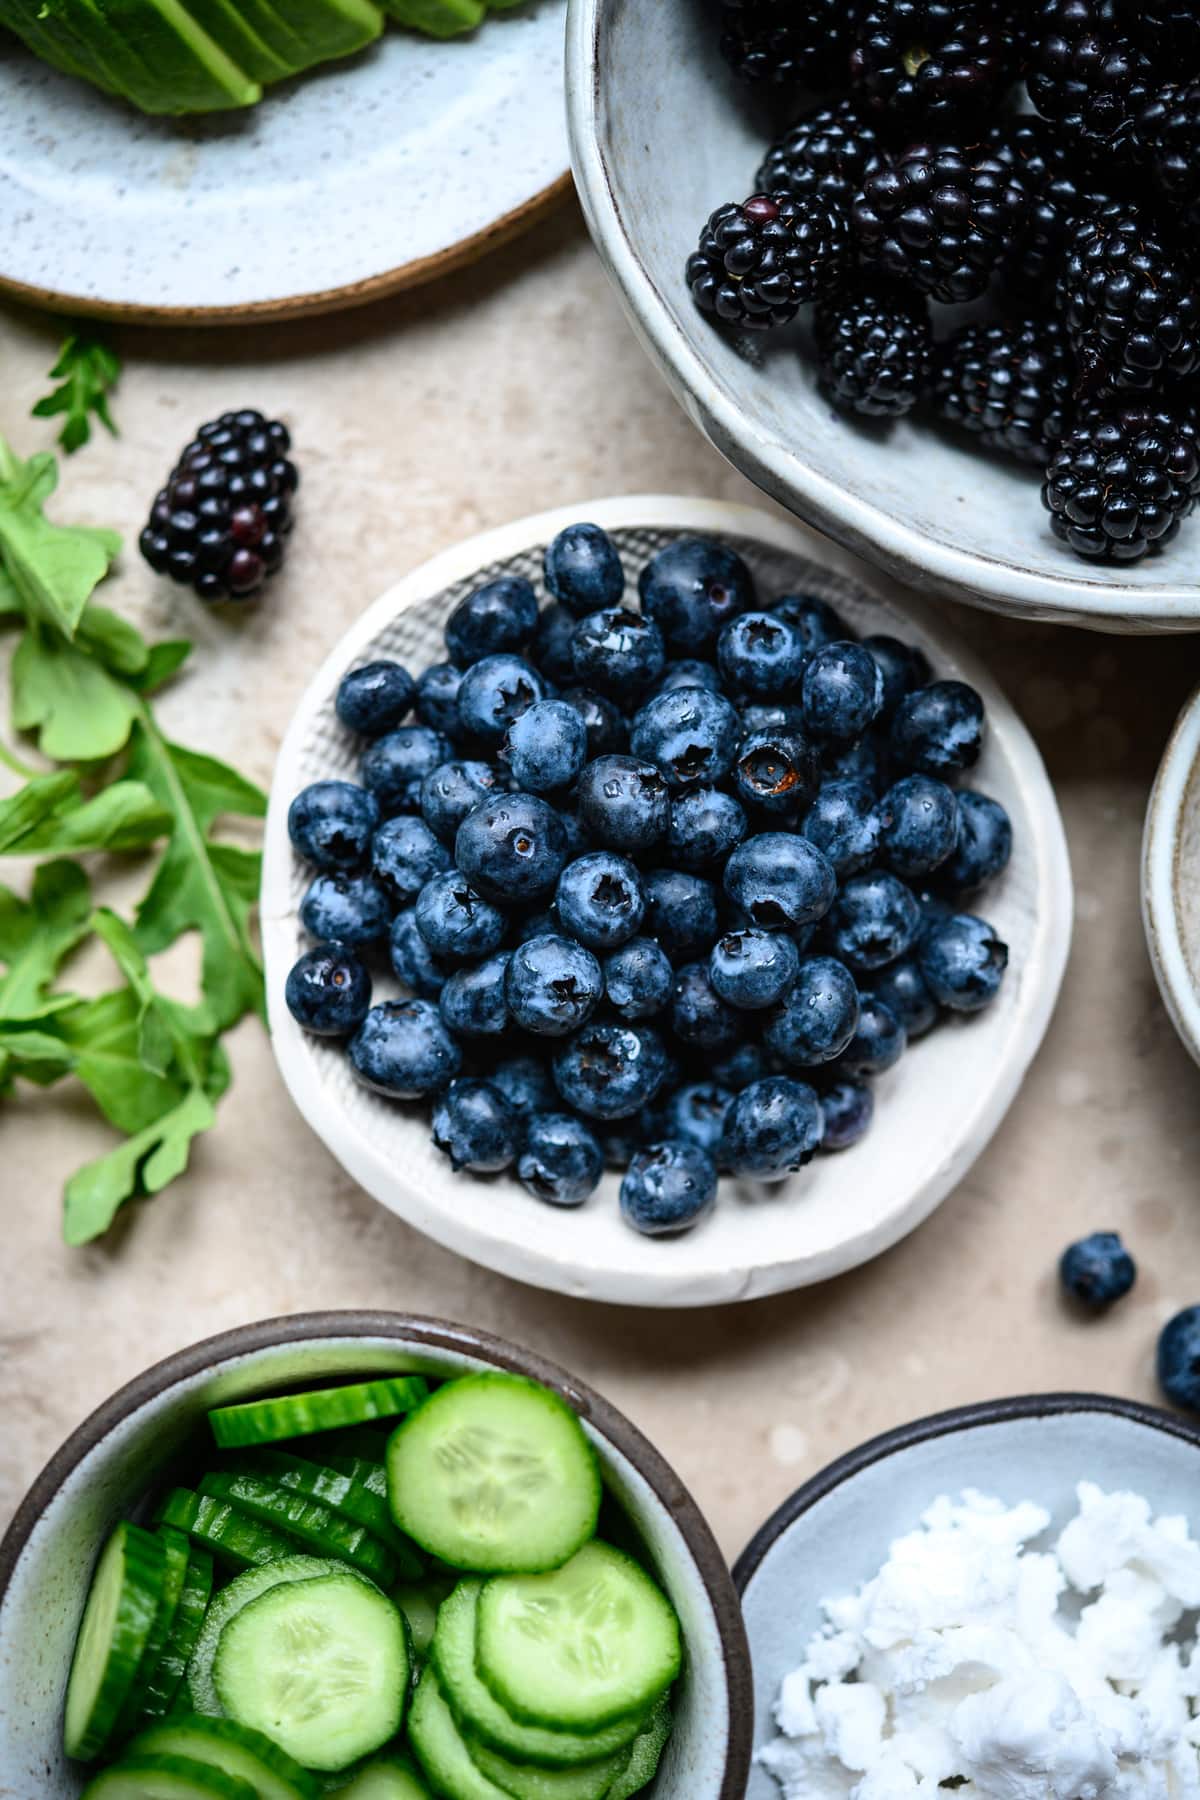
<point>166,1679</point>
<point>202,1689</point>
<point>118,1618</point>
<point>441,1751</point>
<point>590,1643</point>
<point>364,1443</point>
<point>296,1415</point>
<point>166,1778</point>
<point>385,1778</point>
<point>235,1750</point>
<point>646,1754</point>
<point>438,18</point>
<point>233,1537</point>
<point>176,1552</point>
<point>321,1666</point>
<point>494,1474</point>
<point>481,1715</point>
<point>420,1609</point>
<point>322,1530</point>
<point>525,1781</point>
<point>357,1490</point>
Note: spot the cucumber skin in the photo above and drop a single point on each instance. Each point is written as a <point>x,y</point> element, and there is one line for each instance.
<point>187,76</point>
<point>646,1754</point>
<point>193,1780</point>
<point>168,1677</point>
<point>228,1603</point>
<point>357,1490</point>
<point>239,1542</point>
<point>176,1554</point>
<point>142,1560</point>
<point>525,1781</point>
<point>257,1422</point>
<point>440,1750</point>
<point>177,1737</point>
<point>311,1523</point>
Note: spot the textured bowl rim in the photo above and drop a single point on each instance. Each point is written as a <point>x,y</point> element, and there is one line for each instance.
<point>1161,876</point>
<point>939,1425</point>
<point>796,483</point>
<point>433,1334</point>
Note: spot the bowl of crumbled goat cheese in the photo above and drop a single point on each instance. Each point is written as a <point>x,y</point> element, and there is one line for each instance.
<point>1003,1600</point>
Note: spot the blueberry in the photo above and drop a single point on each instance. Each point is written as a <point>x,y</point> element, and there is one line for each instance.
<point>578,841</point>
<point>815,620</point>
<point>844,823</point>
<point>456,921</point>
<point>375,698</point>
<point>682,912</point>
<point>843,691</point>
<point>772,715</point>
<point>1179,1359</point>
<point>526,1084</point>
<point>624,803</point>
<point>553,985</point>
<point>903,667</point>
<point>776,772</point>
<point>472,1000</point>
<point>415,965</point>
<point>817,1017</point>
<point>779,880</point>
<point>688,733</point>
<point>618,652</point>
<point>638,979</point>
<point>753,968</point>
<point>328,991</point>
<point>699,1015</point>
<point>437,697</point>
<point>1097,1270</point>
<point>849,1107</point>
<point>919,817</point>
<point>621,1143</point>
<point>879,1039</point>
<point>984,844</point>
<point>551,648</point>
<point>689,672</point>
<point>450,791</point>
<point>737,1068</point>
<point>607,731</point>
<point>905,992</point>
<point>583,569</point>
<point>561,1161</point>
<point>403,1049</point>
<point>331,824</point>
<point>963,962</point>
<point>346,909</point>
<point>691,589</point>
<point>696,1114</point>
<point>546,747</point>
<point>668,1188</point>
<point>865,760</point>
<point>599,899</point>
<point>500,616</point>
<point>874,919</point>
<point>393,767</point>
<point>610,1071</point>
<point>761,654</point>
<point>938,730</point>
<point>493,693</point>
<point>405,855</point>
<point>474,1125</point>
<point>772,1128</point>
<point>705,826</point>
<point>512,848</point>
<point>544,922</point>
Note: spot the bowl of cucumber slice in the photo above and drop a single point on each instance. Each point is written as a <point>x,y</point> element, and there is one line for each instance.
<point>371,1555</point>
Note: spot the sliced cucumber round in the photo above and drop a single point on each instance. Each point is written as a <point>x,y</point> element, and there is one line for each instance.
<point>234,1538</point>
<point>118,1620</point>
<point>589,1643</point>
<point>352,1487</point>
<point>525,1781</point>
<point>226,1605</point>
<point>494,1473</point>
<point>645,1755</point>
<point>166,1678</point>
<point>327,1409</point>
<point>481,1715</point>
<point>385,1778</point>
<point>176,1553</point>
<point>321,1666</point>
<point>440,1749</point>
<point>166,1778</point>
<point>235,1750</point>
<point>317,1527</point>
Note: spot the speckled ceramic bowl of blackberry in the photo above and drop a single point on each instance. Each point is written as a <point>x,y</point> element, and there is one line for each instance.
<point>934,1111</point>
<point>126,1451</point>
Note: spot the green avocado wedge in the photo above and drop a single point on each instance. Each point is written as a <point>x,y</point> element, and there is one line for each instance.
<point>438,18</point>
<point>190,71</point>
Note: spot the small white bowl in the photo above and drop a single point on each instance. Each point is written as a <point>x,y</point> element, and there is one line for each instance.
<point>661,134</point>
<point>834,1533</point>
<point>1171,876</point>
<point>937,1108</point>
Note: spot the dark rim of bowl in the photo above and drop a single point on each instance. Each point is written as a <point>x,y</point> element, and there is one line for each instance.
<point>434,1334</point>
<point>944,1424</point>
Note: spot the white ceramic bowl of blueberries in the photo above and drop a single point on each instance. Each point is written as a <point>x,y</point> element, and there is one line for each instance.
<point>689,941</point>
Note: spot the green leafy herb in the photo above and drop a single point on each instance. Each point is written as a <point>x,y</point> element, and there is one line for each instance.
<point>48,571</point>
<point>86,370</point>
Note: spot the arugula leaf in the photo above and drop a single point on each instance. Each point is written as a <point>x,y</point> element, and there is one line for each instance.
<point>21,813</point>
<point>87,369</point>
<point>80,711</point>
<point>48,815</point>
<point>37,935</point>
<point>143,1164</point>
<point>50,570</point>
<point>119,645</point>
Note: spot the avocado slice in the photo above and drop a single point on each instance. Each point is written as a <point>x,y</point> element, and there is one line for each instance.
<point>190,71</point>
<point>54,41</point>
<point>232,26</point>
<point>438,18</point>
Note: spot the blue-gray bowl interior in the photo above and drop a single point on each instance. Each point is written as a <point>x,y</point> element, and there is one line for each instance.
<point>834,1533</point>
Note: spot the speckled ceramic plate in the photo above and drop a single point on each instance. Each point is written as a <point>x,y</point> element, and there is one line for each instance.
<point>361,178</point>
<point>1171,876</point>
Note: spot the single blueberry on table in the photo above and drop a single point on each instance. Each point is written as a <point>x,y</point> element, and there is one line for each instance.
<point>776,773</point>
<point>561,1160</point>
<point>403,1049</point>
<point>610,1071</point>
<point>582,569</point>
<point>843,822</point>
<point>1179,1359</point>
<point>771,715</point>
<point>512,848</point>
<point>699,1016</point>
<point>376,698</point>
<point>682,912</point>
<point>691,590</point>
<point>550,651</point>
<point>842,690</point>
<point>919,818</point>
<point>456,921</point>
<point>618,652</point>
<point>437,697</point>
<point>599,899</point>
<point>472,1000</point>
<point>815,620</point>
<point>405,855</point>
<point>761,655</point>
<point>553,985</point>
<point>500,616</point>
<point>874,919</point>
<point>607,732</point>
<point>938,730</point>
<point>526,1084</point>
<point>331,824</point>
<point>984,845</point>
<point>705,825</point>
<point>474,1126</point>
<point>546,747</point>
<point>450,791</point>
<point>780,880</point>
<point>849,1107</point>
<point>1097,1270</point>
<point>689,672</point>
<point>773,1128</point>
<point>696,1114</point>
<point>346,909</point>
<point>668,1188</point>
<point>903,667</point>
<point>737,1068</point>
<point>624,803</point>
<point>690,734</point>
<point>905,992</point>
<point>963,962</point>
<point>493,693</point>
<point>638,979</point>
<point>393,767</point>
<point>753,968</point>
<point>414,964</point>
<point>328,991</point>
<point>818,1015</point>
<point>879,1039</point>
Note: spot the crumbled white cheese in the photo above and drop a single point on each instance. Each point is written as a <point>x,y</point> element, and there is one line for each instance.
<point>1062,1673</point>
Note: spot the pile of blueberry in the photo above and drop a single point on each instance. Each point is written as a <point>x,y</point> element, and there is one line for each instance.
<point>666,887</point>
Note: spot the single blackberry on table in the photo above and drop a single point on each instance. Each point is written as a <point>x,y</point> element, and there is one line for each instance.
<point>1131,311</point>
<point>1058,195</point>
<point>827,153</point>
<point>759,262</point>
<point>1086,76</point>
<point>790,43</point>
<point>941,219</point>
<point>875,350</point>
<point>1010,384</point>
<point>1168,31</point>
<point>220,522</point>
<point>1168,144</point>
<point>930,63</point>
<point>1123,480</point>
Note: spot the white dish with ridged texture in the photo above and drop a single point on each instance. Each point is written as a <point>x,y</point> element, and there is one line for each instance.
<point>936,1109</point>
<point>1171,876</point>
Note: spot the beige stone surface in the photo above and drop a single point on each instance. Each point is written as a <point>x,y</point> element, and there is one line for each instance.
<point>510,388</point>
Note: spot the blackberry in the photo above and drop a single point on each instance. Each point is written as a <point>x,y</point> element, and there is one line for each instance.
<point>759,262</point>
<point>941,219</point>
<point>875,350</point>
<point>1009,384</point>
<point>788,42</point>
<point>1131,314</point>
<point>1168,143</point>
<point>827,153</point>
<point>1168,31</point>
<point>220,522</point>
<point>1086,76</point>
<point>1122,481</point>
<point>930,63</point>
<point>1058,195</point>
